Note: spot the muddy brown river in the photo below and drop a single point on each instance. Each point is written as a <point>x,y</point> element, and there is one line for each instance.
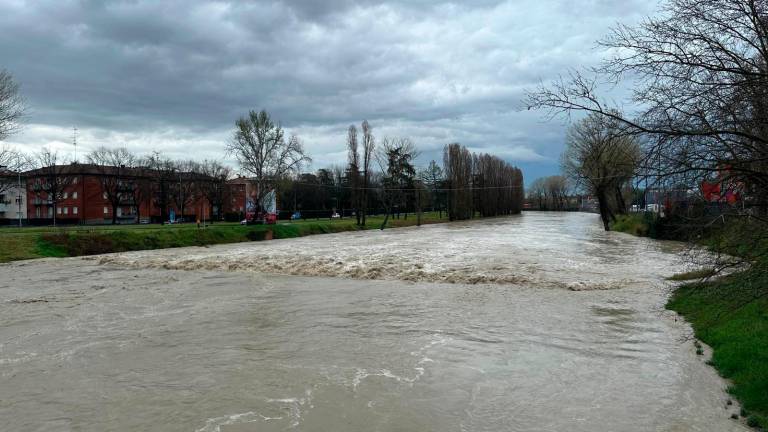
<point>540,322</point>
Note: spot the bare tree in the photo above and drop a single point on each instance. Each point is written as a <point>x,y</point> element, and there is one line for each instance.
<point>369,148</point>
<point>143,185</point>
<point>11,105</point>
<point>12,162</point>
<point>184,189</point>
<point>557,188</point>
<point>261,150</point>
<point>53,178</point>
<point>538,192</point>
<point>457,162</point>
<point>115,169</point>
<point>213,185</point>
<point>163,175</point>
<point>395,160</point>
<point>353,173</point>
<point>432,178</point>
<point>602,158</point>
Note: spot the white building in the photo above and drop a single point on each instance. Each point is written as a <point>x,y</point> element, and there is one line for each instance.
<point>10,198</point>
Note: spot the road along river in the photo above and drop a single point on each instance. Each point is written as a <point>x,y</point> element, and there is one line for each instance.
<point>540,322</point>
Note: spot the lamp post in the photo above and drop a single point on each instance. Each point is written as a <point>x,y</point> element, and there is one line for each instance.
<point>19,198</point>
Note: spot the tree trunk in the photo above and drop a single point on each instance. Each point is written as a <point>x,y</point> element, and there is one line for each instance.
<point>605,212</point>
<point>621,204</point>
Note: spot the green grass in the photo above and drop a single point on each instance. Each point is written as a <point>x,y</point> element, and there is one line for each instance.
<point>636,224</point>
<point>731,315</point>
<point>37,242</point>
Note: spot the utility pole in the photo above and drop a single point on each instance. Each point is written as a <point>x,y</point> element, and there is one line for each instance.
<point>74,140</point>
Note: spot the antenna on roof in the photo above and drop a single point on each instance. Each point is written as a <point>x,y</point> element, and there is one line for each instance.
<point>74,140</point>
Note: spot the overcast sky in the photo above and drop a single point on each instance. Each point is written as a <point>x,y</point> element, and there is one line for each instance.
<point>175,75</point>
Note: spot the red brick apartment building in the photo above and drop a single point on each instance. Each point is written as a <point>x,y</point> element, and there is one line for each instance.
<point>84,197</point>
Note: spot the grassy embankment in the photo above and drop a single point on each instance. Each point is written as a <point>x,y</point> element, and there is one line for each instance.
<point>730,314</point>
<point>33,242</point>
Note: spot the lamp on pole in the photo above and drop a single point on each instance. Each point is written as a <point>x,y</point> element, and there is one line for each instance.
<point>18,198</point>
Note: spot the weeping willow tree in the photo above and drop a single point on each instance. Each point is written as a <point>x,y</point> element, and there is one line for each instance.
<point>602,158</point>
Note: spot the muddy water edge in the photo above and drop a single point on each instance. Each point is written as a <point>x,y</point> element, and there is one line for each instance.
<point>540,322</point>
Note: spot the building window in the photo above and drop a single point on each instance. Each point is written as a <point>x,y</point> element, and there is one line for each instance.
<point>74,180</point>
<point>64,195</point>
<point>58,210</point>
<point>74,210</point>
<point>74,195</point>
<point>37,212</point>
<point>66,210</point>
<point>106,210</point>
<point>104,195</point>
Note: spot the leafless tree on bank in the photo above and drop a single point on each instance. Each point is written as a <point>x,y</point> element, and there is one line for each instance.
<point>185,187</point>
<point>261,149</point>
<point>164,175</point>
<point>457,162</point>
<point>115,168</point>
<point>213,185</point>
<point>432,177</point>
<point>599,156</point>
<point>12,106</point>
<point>12,161</point>
<point>54,176</point>
<point>395,160</point>
<point>369,149</point>
<point>353,173</point>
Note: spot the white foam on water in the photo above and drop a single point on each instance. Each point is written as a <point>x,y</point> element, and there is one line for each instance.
<point>215,424</point>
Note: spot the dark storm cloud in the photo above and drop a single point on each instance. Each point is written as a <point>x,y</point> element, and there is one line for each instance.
<point>175,74</point>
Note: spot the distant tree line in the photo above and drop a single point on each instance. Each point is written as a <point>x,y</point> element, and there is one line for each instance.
<point>380,176</point>
<point>396,188</point>
<point>551,193</point>
<point>480,184</point>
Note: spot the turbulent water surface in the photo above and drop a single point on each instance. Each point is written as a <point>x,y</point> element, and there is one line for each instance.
<point>540,322</point>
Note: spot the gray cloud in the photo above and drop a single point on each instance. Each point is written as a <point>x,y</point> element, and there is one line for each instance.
<point>174,75</point>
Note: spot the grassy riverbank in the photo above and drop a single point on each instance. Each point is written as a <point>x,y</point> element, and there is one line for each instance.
<point>29,243</point>
<point>728,313</point>
<point>636,224</point>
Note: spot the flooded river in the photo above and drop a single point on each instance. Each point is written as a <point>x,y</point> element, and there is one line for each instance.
<point>540,322</point>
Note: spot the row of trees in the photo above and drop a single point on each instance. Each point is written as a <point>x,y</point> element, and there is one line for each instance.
<point>550,193</point>
<point>480,183</point>
<point>484,186</point>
